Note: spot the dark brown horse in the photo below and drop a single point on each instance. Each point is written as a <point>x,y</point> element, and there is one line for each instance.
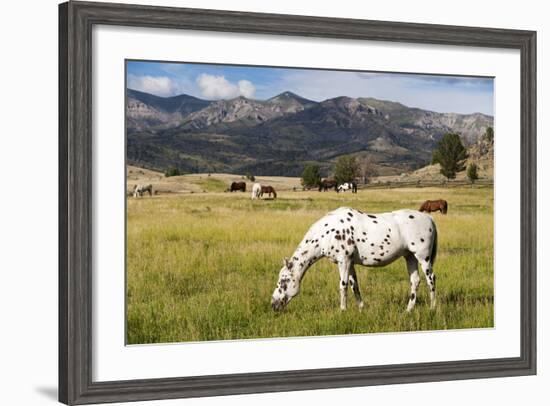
<point>434,205</point>
<point>327,184</point>
<point>235,186</point>
<point>269,190</point>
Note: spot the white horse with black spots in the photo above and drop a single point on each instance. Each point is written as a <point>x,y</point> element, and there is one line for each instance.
<point>350,237</point>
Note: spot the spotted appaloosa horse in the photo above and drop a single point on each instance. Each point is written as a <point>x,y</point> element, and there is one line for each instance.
<point>350,237</point>
<point>434,205</point>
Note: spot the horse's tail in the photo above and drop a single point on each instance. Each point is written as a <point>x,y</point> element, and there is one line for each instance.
<point>434,244</point>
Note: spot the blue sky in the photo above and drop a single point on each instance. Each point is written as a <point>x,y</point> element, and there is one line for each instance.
<point>458,94</point>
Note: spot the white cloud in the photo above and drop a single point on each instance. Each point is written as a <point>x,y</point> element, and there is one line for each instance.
<point>246,88</point>
<point>218,87</point>
<point>157,85</point>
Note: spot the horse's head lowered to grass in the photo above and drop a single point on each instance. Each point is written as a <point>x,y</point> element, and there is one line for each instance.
<point>288,286</point>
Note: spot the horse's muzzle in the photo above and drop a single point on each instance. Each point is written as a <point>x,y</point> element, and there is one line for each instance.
<point>277,304</point>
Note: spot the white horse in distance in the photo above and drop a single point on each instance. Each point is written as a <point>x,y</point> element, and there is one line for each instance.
<point>140,190</point>
<point>256,191</point>
<point>350,237</point>
<point>347,186</point>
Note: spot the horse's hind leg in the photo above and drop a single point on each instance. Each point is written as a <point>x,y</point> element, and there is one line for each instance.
<point>412,267</point>
<point>354,282</point>
<point>427,267</point>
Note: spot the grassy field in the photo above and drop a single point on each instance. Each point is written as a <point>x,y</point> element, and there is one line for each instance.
<point>202,266</point>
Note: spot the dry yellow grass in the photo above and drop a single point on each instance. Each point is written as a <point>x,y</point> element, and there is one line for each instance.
<point>202,266</point>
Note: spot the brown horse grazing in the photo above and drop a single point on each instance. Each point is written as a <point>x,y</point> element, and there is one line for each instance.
<point>235,186</point>
<point>327,184</point>
<point>434,205</point>
<point>269,190</point>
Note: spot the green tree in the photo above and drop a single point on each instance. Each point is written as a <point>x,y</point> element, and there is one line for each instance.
<point>250,177</point>
<point>172,172</point>
<point>472,172</point>
<point>489,134</point>
<point>451,155</point>
<point>346,169</point>
<point>311,176</point>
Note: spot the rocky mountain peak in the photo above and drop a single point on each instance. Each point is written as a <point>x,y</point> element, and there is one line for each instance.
<point>277,135</point>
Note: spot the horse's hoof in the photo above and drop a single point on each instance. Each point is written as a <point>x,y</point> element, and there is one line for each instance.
<point>361,306</point>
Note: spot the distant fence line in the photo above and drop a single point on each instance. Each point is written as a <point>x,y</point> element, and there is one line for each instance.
<point>424,183</point>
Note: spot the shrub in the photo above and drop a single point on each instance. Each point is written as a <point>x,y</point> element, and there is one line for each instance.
<point>172,172</point>
<point>311,176</point>
<point>472,172</point>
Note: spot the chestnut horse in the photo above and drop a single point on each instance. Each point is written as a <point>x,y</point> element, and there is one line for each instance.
<point>269,190</point>
<point>434,205</point>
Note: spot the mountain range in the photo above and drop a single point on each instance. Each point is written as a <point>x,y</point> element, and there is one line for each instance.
<point>280,135</point>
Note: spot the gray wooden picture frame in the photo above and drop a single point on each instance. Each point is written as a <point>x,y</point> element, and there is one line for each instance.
<point>76,20</point>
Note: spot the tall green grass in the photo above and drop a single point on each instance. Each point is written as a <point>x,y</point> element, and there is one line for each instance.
<point>203,267</point>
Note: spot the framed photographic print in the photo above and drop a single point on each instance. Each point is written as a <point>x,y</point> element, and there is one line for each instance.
<point>258,202</point>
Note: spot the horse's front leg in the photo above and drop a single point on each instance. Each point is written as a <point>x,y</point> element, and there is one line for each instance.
<point>344,267</point>
<point>354,281</point>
